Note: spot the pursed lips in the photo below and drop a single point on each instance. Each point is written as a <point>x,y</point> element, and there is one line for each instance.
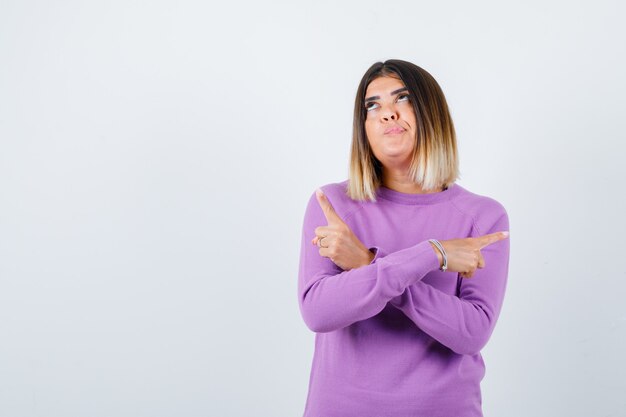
<point>393,130</point>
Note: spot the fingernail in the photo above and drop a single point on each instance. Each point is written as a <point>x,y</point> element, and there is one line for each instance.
<point>319,192</point>
<point>505,233</point>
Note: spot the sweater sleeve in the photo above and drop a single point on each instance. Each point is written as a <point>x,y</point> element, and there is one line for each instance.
<point>331,298</point>
<point>463,323</point>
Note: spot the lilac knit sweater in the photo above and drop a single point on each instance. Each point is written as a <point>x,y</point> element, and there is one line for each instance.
<point>398,337</point>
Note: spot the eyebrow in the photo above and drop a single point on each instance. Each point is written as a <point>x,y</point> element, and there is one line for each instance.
<point>391,94</point>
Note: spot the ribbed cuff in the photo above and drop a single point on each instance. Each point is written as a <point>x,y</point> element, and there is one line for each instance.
<point>407,266</point>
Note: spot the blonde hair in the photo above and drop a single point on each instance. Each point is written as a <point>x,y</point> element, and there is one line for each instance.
<point>435,156</point>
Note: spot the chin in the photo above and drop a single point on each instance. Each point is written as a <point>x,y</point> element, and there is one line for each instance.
<point>393,158</point>
<point>396,151</point>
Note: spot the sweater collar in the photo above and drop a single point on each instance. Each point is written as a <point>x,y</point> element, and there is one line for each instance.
<point>418,199</point>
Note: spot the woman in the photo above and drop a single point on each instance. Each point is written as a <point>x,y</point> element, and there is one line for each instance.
<point>402,271</point>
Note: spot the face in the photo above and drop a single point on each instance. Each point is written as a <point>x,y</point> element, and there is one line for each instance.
<point>390,123</point>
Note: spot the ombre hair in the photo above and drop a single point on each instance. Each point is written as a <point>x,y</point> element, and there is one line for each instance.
<point>434,162</point>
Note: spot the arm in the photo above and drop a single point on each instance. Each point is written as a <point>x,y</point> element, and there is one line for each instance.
<point>464,323</point>
<point>330,298</point>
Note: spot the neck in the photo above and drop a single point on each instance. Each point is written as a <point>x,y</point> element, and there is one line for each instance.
<point>404,184</point>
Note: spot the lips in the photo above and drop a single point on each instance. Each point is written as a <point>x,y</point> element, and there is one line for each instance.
<point>394,130</point>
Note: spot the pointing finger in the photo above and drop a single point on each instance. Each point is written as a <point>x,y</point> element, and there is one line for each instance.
<point>491,238</point>
<point>329,212</point>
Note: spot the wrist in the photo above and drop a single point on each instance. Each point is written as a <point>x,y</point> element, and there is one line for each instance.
<point>370,256</point>
<point>438,253</point>
<point>441,254</point>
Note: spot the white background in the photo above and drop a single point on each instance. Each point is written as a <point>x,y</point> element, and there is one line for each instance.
<point>156,159</point>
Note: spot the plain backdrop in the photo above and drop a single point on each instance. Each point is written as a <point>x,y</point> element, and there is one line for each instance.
<point>156,159</point>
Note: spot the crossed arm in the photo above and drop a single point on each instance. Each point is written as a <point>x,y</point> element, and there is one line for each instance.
<point>330,298</point>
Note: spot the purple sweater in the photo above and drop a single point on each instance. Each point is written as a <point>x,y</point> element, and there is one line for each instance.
<point>398,337</point>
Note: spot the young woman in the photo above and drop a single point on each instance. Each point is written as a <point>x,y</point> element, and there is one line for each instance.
<point>402,271</point>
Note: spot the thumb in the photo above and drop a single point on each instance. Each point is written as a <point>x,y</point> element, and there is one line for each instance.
<point>329,212</point>
<point>491,238</point>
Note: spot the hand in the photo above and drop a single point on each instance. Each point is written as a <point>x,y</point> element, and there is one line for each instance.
<point>464,254</point>
<point>337,240</point>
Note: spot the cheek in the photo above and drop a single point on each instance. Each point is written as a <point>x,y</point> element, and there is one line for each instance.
<point>409,116</point>
<point>369,130</point>
<point>371,138</point>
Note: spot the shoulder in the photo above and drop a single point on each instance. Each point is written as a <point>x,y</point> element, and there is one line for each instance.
<point>337,194</point>
<point>486,212</point>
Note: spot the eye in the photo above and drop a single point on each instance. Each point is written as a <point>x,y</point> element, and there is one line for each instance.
<point>403,97</point>
<point>369,106</point>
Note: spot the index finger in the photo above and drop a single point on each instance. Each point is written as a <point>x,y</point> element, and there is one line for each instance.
<point>328,209</point>
<point>491,238</point>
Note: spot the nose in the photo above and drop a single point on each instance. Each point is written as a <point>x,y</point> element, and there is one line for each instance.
<point>389,113</point>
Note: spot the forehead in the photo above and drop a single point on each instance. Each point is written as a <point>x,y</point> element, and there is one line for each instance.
<point>383,86</point>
